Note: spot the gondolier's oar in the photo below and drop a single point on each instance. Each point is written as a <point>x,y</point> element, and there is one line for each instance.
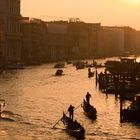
<point>57,122</point>
<point>78,106</point>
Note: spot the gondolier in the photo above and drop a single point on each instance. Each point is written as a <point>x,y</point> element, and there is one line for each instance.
<point>71,111</point>
<point>89,70</point>
<point>88,96</point>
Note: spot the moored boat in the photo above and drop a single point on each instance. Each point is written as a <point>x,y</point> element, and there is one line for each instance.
<point>132,113</point>
<point>89,110</point>
<point>73,128</point>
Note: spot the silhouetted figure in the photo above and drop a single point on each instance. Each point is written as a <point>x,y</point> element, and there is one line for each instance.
<point>71,111</point>
<point>88,96</point>
<point>90,74</point>
<point>96,77</point>
<point>101,81</point>
<point>89,70</point>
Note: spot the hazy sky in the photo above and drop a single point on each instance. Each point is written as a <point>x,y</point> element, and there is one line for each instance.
<point>108,12</point>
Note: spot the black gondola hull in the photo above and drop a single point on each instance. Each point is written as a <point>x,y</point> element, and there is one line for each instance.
<point>89,110</point>
<point>73,128</point>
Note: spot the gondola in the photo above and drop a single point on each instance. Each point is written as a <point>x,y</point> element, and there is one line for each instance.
<point>90,74</point>
<point>59,72</point>
<point>80,65</point>
<point>73,128</point>
<point>89,110</point>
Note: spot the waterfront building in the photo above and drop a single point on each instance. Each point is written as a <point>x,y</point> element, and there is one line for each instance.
<point>71,39</point>
<point>57,40</point>
<point>110,41</point>
<point>129,38</point>
<point>10,16</point>
<point>2,42</point>
<point>33,40</point>
<point>26,40</point>
<point>82,38</point>
<point>137,43</point>
<point>93,39</point>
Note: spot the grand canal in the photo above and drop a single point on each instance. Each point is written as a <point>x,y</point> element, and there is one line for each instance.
<point>36,99</point>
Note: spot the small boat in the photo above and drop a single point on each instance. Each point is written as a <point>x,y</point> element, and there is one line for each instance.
<point>14,66</point>
<point>89,110</point>
<point>132,112</point>
<point>59,72</point>
<point>59,65</point>
<point>2,106</point>
<point>91,74</point>
<point>80,65</point>
<point>3,112</point>
<point>73,128</point>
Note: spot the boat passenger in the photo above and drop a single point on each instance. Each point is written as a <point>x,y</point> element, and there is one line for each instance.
<point>88,96</point>
<point>71,111</point>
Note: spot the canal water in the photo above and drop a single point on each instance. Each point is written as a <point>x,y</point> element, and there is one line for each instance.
<point>36,99</point>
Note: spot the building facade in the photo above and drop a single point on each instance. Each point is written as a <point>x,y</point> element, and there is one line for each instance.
<point>129,38</point>
<point>57,40</point>
<point>33,41</point>
<point>71,40</point>
<point>110,41</point>
<point>82,39</point>
<point>2,42</point>
<point>137,42</point>
<point>25,40</point>
<point>10,16</point>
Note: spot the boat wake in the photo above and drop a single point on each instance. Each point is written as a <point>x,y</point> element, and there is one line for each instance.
<point>91,134</point>
<point>27,123</point>
<point>6,119</point>
<point>9,116</point>
<point>7,112</point>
